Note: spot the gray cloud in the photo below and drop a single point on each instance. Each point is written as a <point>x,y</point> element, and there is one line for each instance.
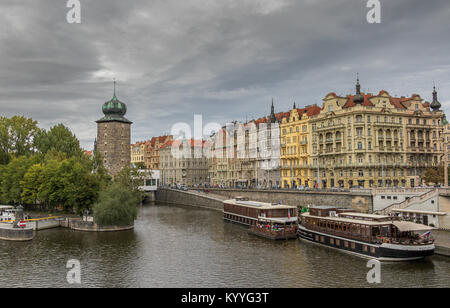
<point>222,59</point>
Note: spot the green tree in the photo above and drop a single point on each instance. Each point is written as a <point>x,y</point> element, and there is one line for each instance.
<point>60,139</point>
<point>11,177</point>
<point>99,169</point>
<point>434,175</point>
<point>16,136</point>
<point>51,190</point>
<point>81,186</point>
<point>117,206</point>
<point>431,175</point>
<point>32,184</point>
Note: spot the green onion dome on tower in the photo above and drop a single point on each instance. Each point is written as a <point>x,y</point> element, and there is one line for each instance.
<point>114,110</point>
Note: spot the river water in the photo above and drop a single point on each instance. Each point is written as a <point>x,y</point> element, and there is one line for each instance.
<point>178,246</point>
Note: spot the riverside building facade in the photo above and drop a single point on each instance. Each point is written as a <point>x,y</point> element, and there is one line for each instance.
<point>183,163</point>
<point>366,140</point>
<point>247,155</point>
<point>296,147</point>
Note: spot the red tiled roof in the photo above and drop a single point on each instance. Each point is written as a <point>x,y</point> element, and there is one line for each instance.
<point>310,110</point>
<point>351,103</point>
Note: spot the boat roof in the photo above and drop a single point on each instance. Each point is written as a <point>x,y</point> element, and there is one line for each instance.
<point>350,220</point>
<point>364,215</point>
<point>6,207</point>
<point>419,212</point>
<point>405,226</point>
<point>280,220</point>
<point>260,205</point>
<point>323,207</point>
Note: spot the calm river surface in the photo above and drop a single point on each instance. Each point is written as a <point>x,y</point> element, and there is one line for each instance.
<point>177,246</point>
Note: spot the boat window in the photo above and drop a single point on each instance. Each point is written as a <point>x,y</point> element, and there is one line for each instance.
<point>375,231</point>
<point>385,231</point>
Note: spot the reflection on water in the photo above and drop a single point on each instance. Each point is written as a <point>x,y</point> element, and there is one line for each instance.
<point>177,246</point>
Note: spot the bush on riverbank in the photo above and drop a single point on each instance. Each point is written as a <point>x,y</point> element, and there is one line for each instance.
<point>116,206</point>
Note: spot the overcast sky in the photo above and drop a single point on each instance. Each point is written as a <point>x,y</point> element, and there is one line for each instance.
<point>224,59</point>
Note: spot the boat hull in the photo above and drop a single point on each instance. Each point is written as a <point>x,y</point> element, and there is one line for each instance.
<point>382,252</point>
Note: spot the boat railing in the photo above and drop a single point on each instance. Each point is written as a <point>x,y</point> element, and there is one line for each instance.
<point>279,231</point>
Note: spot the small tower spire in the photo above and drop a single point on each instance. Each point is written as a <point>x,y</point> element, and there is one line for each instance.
<point>358,98</point>
<point>435,105</point>
<point>114,80</point>
<point>358,86</point>
<point>272,113</point>
<point>295,107</point>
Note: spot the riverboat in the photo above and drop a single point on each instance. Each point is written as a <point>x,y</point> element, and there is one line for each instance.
<point>272,221</point>
<point>7,214</point>
<point>381,237</point>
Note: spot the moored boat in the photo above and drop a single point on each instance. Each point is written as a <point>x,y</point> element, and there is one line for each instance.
<point>272,221</point>
<point>381,237</point>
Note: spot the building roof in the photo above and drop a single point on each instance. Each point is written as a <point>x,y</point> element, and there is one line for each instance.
<point>366,102</point>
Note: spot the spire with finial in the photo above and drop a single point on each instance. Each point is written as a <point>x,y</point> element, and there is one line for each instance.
<point>358,98</point>
<point>272,113</point>
<point>435,105</point>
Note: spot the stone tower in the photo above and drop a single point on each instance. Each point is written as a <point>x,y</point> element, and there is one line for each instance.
<point>114,136</point>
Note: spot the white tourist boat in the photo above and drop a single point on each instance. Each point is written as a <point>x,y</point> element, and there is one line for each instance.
<point>7,213</point>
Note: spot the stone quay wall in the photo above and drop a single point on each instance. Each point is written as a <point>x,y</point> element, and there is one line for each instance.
<point>89,226</point>
<point>173,196</point>
<point>18,234</point>
<point>360,201</point>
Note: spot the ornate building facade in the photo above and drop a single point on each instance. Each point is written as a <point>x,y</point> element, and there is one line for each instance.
<point>296,147</point>
<point>138,152</point>
<point>114,135</point>
<point>151,151</point>
<point>247,155</point>
<point>366,140</point>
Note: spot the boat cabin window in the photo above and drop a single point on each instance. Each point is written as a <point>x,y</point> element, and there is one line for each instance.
<point>375,231</point>
<point>385,231</point>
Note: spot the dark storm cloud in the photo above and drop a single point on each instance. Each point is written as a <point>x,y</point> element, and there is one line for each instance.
<point>224,59</point>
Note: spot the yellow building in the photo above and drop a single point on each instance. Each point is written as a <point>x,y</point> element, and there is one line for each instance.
<point>137,151</point>
<point>296,147</point>
<point>366,140</point>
